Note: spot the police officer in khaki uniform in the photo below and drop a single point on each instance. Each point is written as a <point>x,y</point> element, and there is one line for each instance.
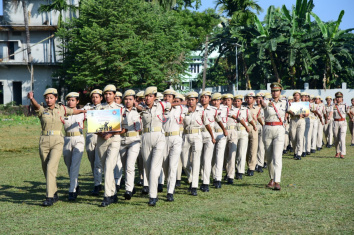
<point>314,123</point>
<point>321,111</point>
<point>351,121</point>
<point>118,98</point>
<point>328,127</point>
<point>91,142</point>
<point>273,135</point>
<point>339,125</point>
<point>74,144</point>
<point>130,141</point>
<point>51,141</point>
<point>192,145</point>
<point>260,124</point>
<point>107,149</point>
<point>287,142</point>
<point>139,98</point>
<point>178,100</point>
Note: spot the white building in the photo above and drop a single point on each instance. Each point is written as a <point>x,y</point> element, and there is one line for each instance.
<point>15,79</point>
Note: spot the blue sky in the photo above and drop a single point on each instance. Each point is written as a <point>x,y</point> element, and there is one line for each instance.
<point>327,10</point>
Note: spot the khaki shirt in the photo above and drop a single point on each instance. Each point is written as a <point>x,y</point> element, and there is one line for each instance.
<point>196,119</point>
<point>174,118</point>
<point>313,107</point>
<point>245,115</point>
<point>233,111</point>
<point>328,109</point>
<point>255,110</point>
<point>222,115</point>
<point>271,115</point>
<point>131,120</point>
<point>339,108</point>
<point>74,123</point>
<point>155,116</point>
<point>52,119</point>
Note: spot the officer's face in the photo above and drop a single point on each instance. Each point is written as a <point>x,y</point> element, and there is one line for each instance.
<point>72,102</point>
<point>238,103</point>
<point>259,99</point>
<point>109,96</point>
<point>339,100</point>
<point>215,103</point>
<point>118,99</point>
<point>149,99</point>
<point>296,97</point>
<point>129,101</point>
<point>192,102</point>
<point>50,100</point>
<point>290,101</point>
<point>168,98</point>
<point>249,100</point>
<point>177,101</point>
<point>205,99</point>
<point>228,102</point>
<point>329,101</point>
<point>96,99</point>
<point>317,100</point>
<point>276,94</point>
<point>303,98</point>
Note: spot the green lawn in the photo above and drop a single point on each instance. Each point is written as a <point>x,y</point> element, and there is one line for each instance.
<point>316,197</point>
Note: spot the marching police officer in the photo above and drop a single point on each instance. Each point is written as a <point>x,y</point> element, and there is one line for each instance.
<point>339,125</point>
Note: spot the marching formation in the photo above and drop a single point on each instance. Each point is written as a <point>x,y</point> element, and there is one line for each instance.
<point>165,134</point>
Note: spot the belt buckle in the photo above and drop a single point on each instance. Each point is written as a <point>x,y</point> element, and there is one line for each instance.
<point>51,132</point>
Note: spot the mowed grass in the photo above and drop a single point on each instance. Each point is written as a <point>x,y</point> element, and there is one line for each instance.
<point>316,197</point>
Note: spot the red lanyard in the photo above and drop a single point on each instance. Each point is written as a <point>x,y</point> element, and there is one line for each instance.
<point>277,112</point>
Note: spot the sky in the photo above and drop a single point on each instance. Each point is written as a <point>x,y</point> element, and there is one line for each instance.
<point>327,10</point>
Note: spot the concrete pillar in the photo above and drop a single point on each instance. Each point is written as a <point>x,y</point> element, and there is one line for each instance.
<point>306,86</point>
<point>344,85</point>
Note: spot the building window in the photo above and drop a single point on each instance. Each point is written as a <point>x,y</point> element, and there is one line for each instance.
<point>11,50</point>
<point>194,68</point>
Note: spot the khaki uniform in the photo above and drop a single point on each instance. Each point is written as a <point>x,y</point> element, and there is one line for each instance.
<point>153,143</point>
<point>339,127</point>
<point>260,152</point>
<point>107,153</point>
<point>118,170</point>
<point>297,131</point>
<point>180,165</point>
<point>273,136</point>
<point>308,131</point>
<point>173,148</point>
<point>242,139</point>
<point>74,144</point>
<point>193,144</point>
<point>314,124</point>
<point>351,124</point>
<point>287,131</point>
<point>91,142</point>
<point>51,143</point>
<point>130,145</point>
<point>251,157</point>
<point>328,128</point>
<point>208,147</point>
<point>221,141</point>
<point>231,143</point>
<point>321,109</point>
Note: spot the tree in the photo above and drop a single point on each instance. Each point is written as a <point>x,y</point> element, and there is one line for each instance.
<point>57,6</point>
<point>123,42</point>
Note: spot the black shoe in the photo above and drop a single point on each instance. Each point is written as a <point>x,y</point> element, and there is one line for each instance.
<point>259,169</point>
<point>140,183</point>
<point>160,188</point>
<point>298,157</point>
<point>106,201</point>
<point>215,182</point>
<point>117,188</point>
<point>291,150</point>
<point>285,152</point>
<point>218,184</point>
<point>128,195</point>
<point>250,173</point>
<point>114,198</point>
<point>178,183</point>
<point>330,146</point>
<point>194,192</point>
<point>78,190</point>
<point>226,177</point>
<point>308,153</point>
<point>303,154</point>
<point>72,196</point>
<point>204,188</point>
<point>96,190</point>
<point>239,176</point>
<point>313,151</point>
<point>56,197</point>
<point>190,187</point>
<point>170,197</point>
<point>265,165</point>
<point>230,181</point>
<point>318,149</point>
<point>49,201</point>
<point>145,190</point>
<point>152,201</point>
<point>295,155</point>
<point>350,145</point>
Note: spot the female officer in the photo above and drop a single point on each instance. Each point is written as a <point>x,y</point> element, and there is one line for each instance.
<point>339,125</point>
<point>51,141</point>
<point>74,143</point>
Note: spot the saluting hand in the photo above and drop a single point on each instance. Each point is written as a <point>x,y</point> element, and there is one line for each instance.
<point>30,95</point>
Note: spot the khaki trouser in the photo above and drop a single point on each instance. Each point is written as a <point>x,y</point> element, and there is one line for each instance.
<point>232,148</point>
<point>314,134</point>
<point>297,131</point>
<point>260,152</point>
<point>129,151</point>
<point>351,129</point>
<point>251,156</point>
<point>118,170</point>
<point>287,137</point>
<point>91,142</point>
<point>50,150</point>
<point>73,150</point>
<point>273,142</point>
<point>107,153</point>
<point>339,132</point>
<point>191,153</point>
<point>153,145</point>
<point>307,135</point>
<point>171,160</point>
<point>206,158</point>
<point>179,169</point>
<point>328,131</point>
<point>319,135</point>
<point>242,144</point>
<point>219,155</point>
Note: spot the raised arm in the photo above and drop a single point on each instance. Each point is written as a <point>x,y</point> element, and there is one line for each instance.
<point>33,101</point>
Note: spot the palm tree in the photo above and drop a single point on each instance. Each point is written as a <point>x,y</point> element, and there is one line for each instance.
<point>57,5</point>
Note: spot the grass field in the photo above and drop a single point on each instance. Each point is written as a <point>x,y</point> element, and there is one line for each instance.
<point>316,197</point>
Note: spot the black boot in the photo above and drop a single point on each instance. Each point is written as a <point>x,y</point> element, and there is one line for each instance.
<point>96,190</point>
<point>230,181</point>
<point>170,197</point>
<point>128,195</point>
<point>160,188</point>
<point>145,190</point>
<point>106,201</point>
<point>239,176</point>
<point>204,188</point>
<point>49,201</point>
<point>250,172</point>
<point>152,201</point>
<point>178,183</point>
<point>194,192</point>
<point>72,196</point>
